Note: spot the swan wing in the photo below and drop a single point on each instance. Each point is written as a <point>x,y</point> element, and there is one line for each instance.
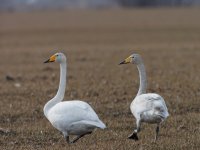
<point>67,113</point>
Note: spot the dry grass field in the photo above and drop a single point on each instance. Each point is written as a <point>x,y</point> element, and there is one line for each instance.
<point>95,41</point>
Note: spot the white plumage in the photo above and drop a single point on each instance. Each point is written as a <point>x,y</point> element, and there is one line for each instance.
<point>146,107</point>
<point>149,108</point>
<point>70,117</point>
<point>74,117</point>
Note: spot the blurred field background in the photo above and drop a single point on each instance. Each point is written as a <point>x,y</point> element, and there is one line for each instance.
<point>95,41</point>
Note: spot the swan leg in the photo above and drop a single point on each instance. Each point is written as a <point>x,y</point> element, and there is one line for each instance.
<point>134,134</point>
<point>157,131</point>
<point>67,139</point>
<point>79,136</point>
<point>73,141</point>
<point>76,138</point>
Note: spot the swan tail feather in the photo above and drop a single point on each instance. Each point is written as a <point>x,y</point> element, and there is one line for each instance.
<point>98,124</point>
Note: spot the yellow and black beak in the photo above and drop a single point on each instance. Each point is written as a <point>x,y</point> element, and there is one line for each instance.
<point>126,61</point>
<point>51,59</point>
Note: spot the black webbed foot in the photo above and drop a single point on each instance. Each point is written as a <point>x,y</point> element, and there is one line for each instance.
<point>133,136</point>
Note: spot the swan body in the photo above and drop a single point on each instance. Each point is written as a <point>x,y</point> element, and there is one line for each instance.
<point>74,117</point>
<point>70,117</point>
<point>150,108</point>
<point>146,107</point>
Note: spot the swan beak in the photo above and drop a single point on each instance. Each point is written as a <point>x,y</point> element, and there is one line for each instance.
<point>51,59</point>
<point>126,61</point>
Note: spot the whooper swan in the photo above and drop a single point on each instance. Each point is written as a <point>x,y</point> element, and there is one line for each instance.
<point>70,117</point>
<point>146,107</point>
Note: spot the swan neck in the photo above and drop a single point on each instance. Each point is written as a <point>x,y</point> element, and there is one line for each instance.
<point>61,90</point>
<point>143,79</point>
<point>62,84</point>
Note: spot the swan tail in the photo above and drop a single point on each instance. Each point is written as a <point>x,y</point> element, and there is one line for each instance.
<point>162,113</point>
<point>102,125</point>
<point>98,124</point>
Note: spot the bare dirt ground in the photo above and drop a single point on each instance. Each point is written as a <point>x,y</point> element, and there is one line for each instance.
<point>95,41</point>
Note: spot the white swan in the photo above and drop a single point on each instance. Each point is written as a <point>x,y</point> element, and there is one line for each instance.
<point>70,117</point>
<point>146,107</point>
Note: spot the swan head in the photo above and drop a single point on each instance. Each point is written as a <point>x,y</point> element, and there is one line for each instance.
<point>58,57</point>
<point>134,59</point>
